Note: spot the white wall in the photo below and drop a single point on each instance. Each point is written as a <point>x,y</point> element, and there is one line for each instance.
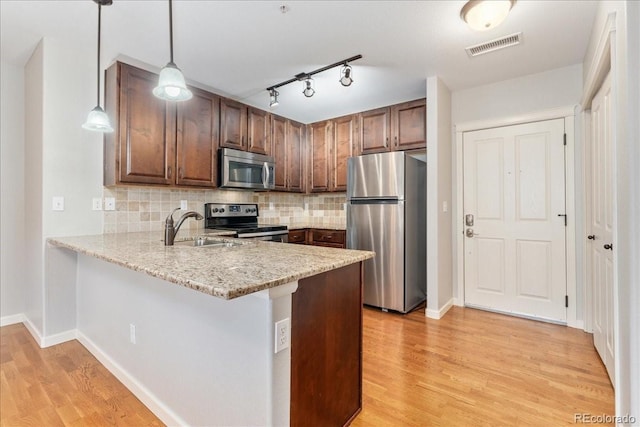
<point>61,159</point>
<point>439,193</point>
<point>11,190</point>
<point>560,87</point>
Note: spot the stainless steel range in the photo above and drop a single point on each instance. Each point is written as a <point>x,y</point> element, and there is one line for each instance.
<point>243,219</point>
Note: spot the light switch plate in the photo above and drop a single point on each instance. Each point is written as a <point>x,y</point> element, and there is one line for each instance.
<point>58,203</point>
<point>96,204</point>
<point>183,205</point>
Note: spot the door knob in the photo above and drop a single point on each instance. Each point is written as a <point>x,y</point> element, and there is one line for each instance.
<point>470,233</point>
<point>608,246</point>
<point>591,237</point>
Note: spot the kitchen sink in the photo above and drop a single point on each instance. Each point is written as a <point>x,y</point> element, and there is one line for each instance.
<point>206,242</point>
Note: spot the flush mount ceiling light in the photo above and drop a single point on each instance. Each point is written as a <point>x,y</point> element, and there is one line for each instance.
<point>345,75</point>
<point>482,15</point>
<point>171,84</point>
<point>273,98</point>
<point>309,90</point>
<point>97,120</point>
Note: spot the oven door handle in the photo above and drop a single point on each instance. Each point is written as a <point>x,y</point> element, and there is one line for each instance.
<point>265,175</point>
<point>261,234</point>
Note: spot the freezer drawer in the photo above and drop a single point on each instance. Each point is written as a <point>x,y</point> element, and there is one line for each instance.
<point>379,227</point>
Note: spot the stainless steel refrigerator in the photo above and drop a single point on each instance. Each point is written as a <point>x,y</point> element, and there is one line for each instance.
<point>386,213</point>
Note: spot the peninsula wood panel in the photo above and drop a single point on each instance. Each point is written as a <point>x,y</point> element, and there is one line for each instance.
<point>326,348</point>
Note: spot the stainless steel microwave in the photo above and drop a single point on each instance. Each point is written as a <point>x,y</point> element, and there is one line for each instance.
<point>239,169</point>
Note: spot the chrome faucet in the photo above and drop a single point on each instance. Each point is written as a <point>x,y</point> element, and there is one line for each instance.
<point>170,231</point>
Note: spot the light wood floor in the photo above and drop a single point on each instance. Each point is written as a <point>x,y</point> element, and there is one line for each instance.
<point>471,368</point>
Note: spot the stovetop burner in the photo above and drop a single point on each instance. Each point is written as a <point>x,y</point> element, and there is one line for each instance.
<point>239,217</point>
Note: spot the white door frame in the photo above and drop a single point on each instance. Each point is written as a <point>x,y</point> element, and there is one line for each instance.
<point>568,114</point>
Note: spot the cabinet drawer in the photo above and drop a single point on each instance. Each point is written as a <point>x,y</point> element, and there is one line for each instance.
<point>328,236</point>
<point>297,236</point>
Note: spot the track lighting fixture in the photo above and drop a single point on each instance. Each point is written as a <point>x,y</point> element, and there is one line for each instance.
<point>97,120</point>
<point>273,98</point>
<point>345,75</point>
<point>309,90</point>
<point>171,84</point>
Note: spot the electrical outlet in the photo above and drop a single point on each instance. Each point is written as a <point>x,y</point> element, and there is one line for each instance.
<point>271,206</point>
<point>183,205</point>
<point>109,204</point>
<point>132,333</point>
<point>282,335</point>
<point>58,203</point>
<point>96,204</point>
<point>445,207</point>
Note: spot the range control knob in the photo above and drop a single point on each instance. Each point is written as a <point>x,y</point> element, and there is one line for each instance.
<point>247,210</point>
<point>221,210</point>
<point>215,210</point>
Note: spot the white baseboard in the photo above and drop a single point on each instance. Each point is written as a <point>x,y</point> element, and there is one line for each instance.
<point>458,302</point>
<point>437,314</point>
<point>168,416</point>
<point>578,324</point>
<point>11,320</point>
<point>50,340</point>
<point>33,330</point>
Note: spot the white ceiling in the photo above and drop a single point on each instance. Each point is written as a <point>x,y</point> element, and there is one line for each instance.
<point>238,48</point>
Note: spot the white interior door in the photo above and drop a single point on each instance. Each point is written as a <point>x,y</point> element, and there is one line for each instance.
<point>600,226</point>
<point>514,205</point>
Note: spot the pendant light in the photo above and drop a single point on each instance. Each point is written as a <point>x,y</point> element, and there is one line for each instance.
<point>345,75</point>
<point>273,98</point>
<point>97,120</point>
<point>171,84</point>
<point>308,88</point>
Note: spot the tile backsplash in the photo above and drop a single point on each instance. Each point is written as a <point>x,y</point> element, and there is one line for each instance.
<point>145,208</point>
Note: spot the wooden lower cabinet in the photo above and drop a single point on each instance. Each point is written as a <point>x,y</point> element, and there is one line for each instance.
<point>326,348</point>
<point>319,237</point>
<point>298,236</point>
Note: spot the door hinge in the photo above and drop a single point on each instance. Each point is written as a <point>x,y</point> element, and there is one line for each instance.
<point>565,139</point>
<point>566,301</point>
<point>565,218</point>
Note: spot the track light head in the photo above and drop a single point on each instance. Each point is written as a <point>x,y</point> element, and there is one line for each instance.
<point>345,75</point>
<point>273,98</point>
<point>308,91</point>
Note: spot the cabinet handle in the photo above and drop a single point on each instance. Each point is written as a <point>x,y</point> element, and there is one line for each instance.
<point>609,246</point>
<point>169,171</point>
<point>591,237</point>
<point>396,141</point>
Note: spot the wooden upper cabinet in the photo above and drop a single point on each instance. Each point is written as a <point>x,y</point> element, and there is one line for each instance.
<point>409,125</point>
<point>320,141</point>
<point>197,140</point>
<point>259,124</point>
<point>279,150</point>
<point>142,148</point>
<point>295,161</point>
<point>233,124</point>
<point>344,144</point>
<point>374,130</point>
<point>398,127</point>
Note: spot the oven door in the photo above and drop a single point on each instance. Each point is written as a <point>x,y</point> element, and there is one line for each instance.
<point>246,170</point>
<point>269,236</point>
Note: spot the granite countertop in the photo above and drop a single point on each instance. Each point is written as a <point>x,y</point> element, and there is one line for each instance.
<point>223,272</point>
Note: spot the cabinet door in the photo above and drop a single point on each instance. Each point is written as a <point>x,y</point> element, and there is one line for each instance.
<point>409,123</point>
<point>146,134</point>
<point>319,149</point>
<point>233,124</point>
<point>374,131</point>
<point>279,151</point>
<point>259,131</point>
<point>295,139</point>
<point>344,131</point>
<point>197,140</point>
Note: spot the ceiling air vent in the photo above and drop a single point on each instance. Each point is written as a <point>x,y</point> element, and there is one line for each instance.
<point>490,46</point>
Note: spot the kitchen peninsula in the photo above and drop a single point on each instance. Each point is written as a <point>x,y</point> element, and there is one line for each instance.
<point>191,330</point>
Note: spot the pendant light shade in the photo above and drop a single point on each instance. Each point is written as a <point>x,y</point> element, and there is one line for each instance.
<point>97,120</point>
<point>171,84</point>
<point>482,15</point>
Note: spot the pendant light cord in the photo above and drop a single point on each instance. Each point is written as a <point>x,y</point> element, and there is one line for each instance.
<point>99,21</point>
<point>171,31</point>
